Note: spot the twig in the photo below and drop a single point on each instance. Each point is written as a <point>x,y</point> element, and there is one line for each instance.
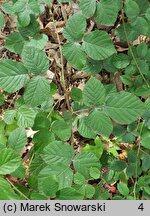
<point>62,66</point>
<point>17,190</point>
<point>132,54</point>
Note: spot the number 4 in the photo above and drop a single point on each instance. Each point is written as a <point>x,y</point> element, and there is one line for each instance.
<point>141,207</point>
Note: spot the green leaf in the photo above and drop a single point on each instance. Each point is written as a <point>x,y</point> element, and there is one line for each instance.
<point>9,161</point>
<point>7,193</point>
<point>33,182</point>
<point>75,55</point>
<point>50,186</point>
<point>24,17</point>
<point>133,170</point>
<point>120,60</point>
<point>99,122</point>
<point>2,21</point>
<point>9,116</point>
<point>38,42</point>
<point>11,127</point>
<point>25,117</point>
<point>119,130</point>
<point>41,122</point>
<point>142,50</point>
<point>32,30</point>
<point>62,172</point>
<point>79,179</point>
<point>13,75</point>
<point>76,94</point>
<point>17,139</point>
<point>88,7</point>
<point>93,93</point>
<point>58,152</point>
<point>127,80</point>
<point>61,129</point>
<point>7,8</point>
<point>126,27</point>
<point>132,9</point>
<point>35,60</point>
<point>84,130</point>
<point>132,156</point>
<point>14,42</point>
<point>3,138</point>
<point>37,165</point>
<point>98,45</point>
<point>140,26</point>
<point>147,190</point>
<point>118,165</point>
<point>145,140</point>
<point>92,66</point>
<point>147,13</point>
<point>124,108</point>
<point>20,172</point>
<point>94,172</point>
<point>143,5</point>
<point>19,5</point>
<point>96,149</point>
<point>89,191</point>
<point>42,134</point>
<point>37,91</point>
<point>2,99</point>
<point>122,188</point>
<point>36,7</point>
<point>146,163</point>
<point>84,161</point>
<point>37,196</point>
<point>106,12</point>
<point>46,106</point>
<point>69,194</point>
<point>75,27</point>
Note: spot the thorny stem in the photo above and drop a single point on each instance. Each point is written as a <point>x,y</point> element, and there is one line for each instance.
<point>139,146</point>
<point>52,109</point>
<point>63,75</point>
<point>17,190</point>
<point>13,100</point>
<point>132,54</point>
<point>62,65</point>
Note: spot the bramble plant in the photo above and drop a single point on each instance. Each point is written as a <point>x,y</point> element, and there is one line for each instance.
<point>98,145</point>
